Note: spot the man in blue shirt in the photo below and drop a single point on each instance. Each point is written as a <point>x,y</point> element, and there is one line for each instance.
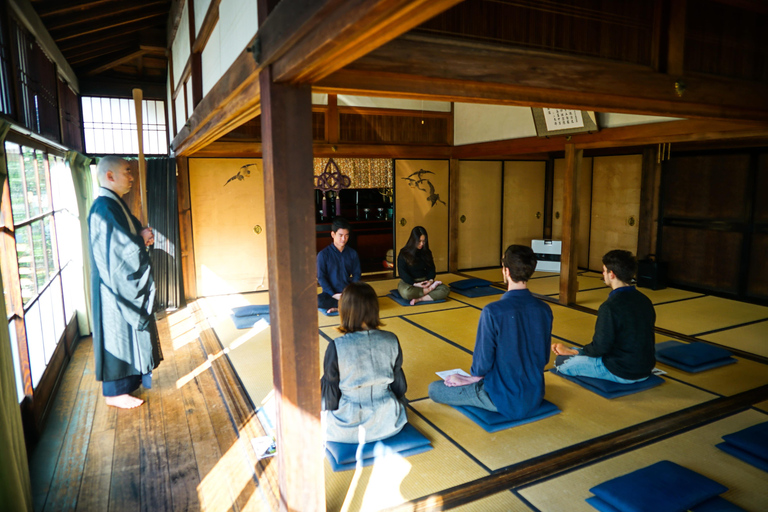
<point>337,266</point>
<point>623,347</point>
<point>511,348</point>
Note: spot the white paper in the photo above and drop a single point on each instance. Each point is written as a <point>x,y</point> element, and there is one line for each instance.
<point>264,446</point>
<point>445,373</point>
<point>659,371</point>
<point>562,119</point>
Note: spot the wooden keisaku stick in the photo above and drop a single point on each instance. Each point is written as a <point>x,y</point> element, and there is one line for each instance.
<point>138,96</point>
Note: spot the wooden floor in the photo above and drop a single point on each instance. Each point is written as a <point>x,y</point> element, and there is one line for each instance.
<point>186,448</point>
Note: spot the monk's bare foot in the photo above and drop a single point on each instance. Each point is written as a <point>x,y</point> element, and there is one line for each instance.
<point>332,310</point>
<point>423,298</point>
<point>123,401</point>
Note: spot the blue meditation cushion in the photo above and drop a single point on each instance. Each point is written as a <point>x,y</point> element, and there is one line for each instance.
<point>253,309</point>
<point>480,291</point>
<point>493,421</point>
<point>326,313</point>
<point>608,389</point>
<point>465,284</point>
<point>407,442</point>
<point>246,322</point>
<point>744,455</point>
<point>395,296</point>
<point>752,439</point>
<point>692,357</point>
<point>660,487</point>
<point>716,504</point>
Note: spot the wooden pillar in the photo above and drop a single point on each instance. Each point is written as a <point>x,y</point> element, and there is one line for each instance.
<point>188,272</point>
<point>288,186</point>
<point>453,215</point>
<point>649,202</point>
<point>332,120</point>
<point>676,48</point>
<point>569,257</point>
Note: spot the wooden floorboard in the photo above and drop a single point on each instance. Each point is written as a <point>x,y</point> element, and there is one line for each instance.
<point>186,448</point>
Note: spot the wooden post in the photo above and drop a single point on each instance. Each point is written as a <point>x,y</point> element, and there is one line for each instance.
<point>453,215</point>
<point>649,205</point>
<point>568,259</point>
<point>288,186</point>
<point>185,228</point>
<point>332,120</point>
<point>138,97</point>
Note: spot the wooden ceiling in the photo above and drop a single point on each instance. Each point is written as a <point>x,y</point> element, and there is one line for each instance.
<point>109,40</point>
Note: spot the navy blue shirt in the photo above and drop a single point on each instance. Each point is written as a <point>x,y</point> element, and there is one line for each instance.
<point>511,350</point>
<point>335,267</point>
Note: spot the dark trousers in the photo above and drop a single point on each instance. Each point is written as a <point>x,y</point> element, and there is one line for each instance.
<point>325,301</point>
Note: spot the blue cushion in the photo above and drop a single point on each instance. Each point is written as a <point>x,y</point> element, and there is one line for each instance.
<point>326,313</point>
<point>246,322</point>
<point>480,291</point>
<point>716,504</point>
<point>465,284</point>
<point>692,357</point>
<point>395,296</point>
<point>608,389</point>
<point>407,442</point>
<point>253,309</point>
<point>493,421</point>
<point>744,455</point>
<point>663,486</point>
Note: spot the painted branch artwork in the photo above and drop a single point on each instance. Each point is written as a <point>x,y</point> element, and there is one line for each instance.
<point>417,178</point>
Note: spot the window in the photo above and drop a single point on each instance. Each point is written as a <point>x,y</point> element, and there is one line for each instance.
<point>110,126</point>
<point>47,238</point>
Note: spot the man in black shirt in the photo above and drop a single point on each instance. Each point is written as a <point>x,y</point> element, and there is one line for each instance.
<point>622,349</point>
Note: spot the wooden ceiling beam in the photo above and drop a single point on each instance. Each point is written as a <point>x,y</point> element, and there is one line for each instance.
<point>333,32</point>
<point>246,149</point>
<point>100,38</point>
<point>116,60</point>
<point>122,11</point>
<point>440,68</point>
<point>86,54</point>
<point>70,7</point>
<point>625,136</point>
<point>136,23</point>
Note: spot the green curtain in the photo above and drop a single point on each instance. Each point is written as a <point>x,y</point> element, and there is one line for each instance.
<point>15,488</point>
<point>79,166</point>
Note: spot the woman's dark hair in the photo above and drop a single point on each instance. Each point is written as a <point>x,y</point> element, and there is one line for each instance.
<point>411,250</point>
<point>358,308</point>
<point>621,263</point>
<point>520,261</point>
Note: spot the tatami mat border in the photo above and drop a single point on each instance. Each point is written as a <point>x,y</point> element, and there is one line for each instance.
<point>721,329</point>
<point>438,336</point>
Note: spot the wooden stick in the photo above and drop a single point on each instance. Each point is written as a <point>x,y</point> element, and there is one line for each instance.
<point>138,95</point>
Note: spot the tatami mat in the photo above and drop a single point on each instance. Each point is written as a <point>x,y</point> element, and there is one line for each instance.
<point>763,406</point>
<point>490,274</point>
<point>750,338</point>
<point>694,450</point>
<point>706,314</point>
<point>726,380</point>
<point>585,416</point>
<point>389,308</point>
<point>395,480</point>
<point>456,325</point>
<point>668,294</point>
<point>592,298</point>
<point>423,355</point>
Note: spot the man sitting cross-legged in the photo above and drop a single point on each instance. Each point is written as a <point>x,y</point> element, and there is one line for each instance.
<point>511,349</point>
<point>622,348</point>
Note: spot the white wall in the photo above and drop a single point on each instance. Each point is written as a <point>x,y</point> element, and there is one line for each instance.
<point>481,123</point>
<point>180,47</point>
<point>616,120</point>
<point>201,7</point>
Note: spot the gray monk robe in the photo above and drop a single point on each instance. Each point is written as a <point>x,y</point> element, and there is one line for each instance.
<point>125,342</point>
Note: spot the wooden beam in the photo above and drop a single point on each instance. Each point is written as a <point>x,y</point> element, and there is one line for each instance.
<point>441,68</point>
<point>49,9</point>
<point>570,251</point>
<point>174,19</point>
<point>288,184</point>
<point>99,37</point>
<point>649,206</point>
<point>120,10</point>
<point>112,62</point>
<point>304,39</point>
<point>252,149</point>
<point>137,24</point>
<point>677,29</point>
<point>625,136</point>
<point>332,120</point>
<point>349,31</point>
